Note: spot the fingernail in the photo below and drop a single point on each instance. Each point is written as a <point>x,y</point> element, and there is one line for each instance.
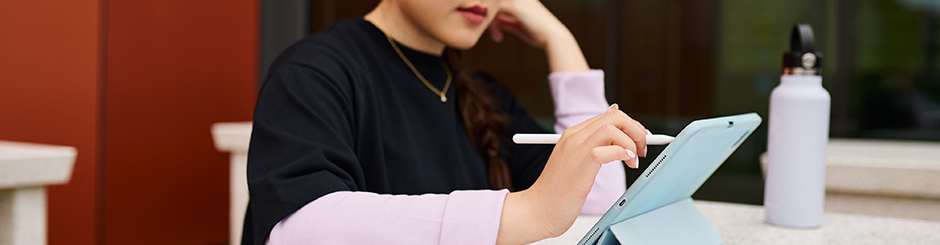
<point>611,108</point>
<point>648,132</point>
<point>644,151</point>
<point>634,163</point>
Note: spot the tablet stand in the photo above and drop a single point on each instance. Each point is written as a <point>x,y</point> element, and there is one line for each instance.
<point>677,223</point>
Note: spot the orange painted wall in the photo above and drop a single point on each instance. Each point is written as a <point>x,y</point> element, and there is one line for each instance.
<point>174,68</point>
<point>48,94</point>
<point>140,108</point>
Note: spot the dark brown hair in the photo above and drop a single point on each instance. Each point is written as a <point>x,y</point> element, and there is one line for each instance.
<point>485,122</point>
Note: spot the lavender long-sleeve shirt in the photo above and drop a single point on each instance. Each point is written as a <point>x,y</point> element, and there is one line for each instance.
<point>461,217</point>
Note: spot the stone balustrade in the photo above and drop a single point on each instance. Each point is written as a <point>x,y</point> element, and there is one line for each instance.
<point>25,170</point>
<point>889,178</point>
<point>233,138</point>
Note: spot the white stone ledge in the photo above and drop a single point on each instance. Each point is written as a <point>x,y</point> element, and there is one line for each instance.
<point>27,164</point>
<point>232,137</point>
<point>888,178</point>
<point>892,168</point>
<point>884,167</point>
<point>25,170</point>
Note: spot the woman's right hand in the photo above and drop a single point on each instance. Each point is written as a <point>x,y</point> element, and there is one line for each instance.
<point>551,205</point>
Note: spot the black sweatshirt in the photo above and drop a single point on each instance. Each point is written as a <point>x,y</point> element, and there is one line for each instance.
<point>341,111</point>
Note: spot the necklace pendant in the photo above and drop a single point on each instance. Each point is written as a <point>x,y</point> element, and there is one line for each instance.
<point>443,99</point>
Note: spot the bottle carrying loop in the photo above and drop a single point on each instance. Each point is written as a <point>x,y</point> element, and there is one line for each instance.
<point>802,59</point>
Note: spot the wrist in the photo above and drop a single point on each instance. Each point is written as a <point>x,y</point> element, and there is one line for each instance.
<point>559,37</point>
<point>564,54</point>
<point>521,221</point>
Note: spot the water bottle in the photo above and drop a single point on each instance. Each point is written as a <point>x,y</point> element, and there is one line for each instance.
<point>798,133</point>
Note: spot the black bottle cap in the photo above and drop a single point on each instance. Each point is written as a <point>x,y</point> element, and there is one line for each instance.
<point>802,52</point>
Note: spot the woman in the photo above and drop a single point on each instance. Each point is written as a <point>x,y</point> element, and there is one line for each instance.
<point>359,137</point>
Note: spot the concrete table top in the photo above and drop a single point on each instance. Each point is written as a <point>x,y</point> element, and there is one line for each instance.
<point>744,224</point>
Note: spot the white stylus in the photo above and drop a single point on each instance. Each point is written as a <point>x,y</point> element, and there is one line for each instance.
<point>652,139</point>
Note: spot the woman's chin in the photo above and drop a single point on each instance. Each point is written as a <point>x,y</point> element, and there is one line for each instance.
<point>467,42</point>
<point>463,46</point>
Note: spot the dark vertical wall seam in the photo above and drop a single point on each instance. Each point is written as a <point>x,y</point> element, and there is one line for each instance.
<point>841,111</point>
<point>102,113</point>
<point>282,23</point>
<point>610,68</point>
<point>262,70</point>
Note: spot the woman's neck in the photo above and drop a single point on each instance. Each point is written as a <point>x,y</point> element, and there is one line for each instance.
<point>395,24</point>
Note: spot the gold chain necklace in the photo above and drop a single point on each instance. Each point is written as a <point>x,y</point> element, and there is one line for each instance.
<point>418,74</point>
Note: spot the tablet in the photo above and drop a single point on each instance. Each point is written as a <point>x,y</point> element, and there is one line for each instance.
<point>676,173</point>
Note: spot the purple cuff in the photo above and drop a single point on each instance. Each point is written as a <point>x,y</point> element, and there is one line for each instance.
<point>472,217</point>
<point>463,217</point>
<point>577,96</point>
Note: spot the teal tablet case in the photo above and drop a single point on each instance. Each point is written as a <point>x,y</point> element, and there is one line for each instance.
<point>658,208</point>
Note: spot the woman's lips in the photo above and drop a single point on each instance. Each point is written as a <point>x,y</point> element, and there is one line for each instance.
<point>475,14</point>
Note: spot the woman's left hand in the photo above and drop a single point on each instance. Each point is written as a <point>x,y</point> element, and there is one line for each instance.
<point>537,26</point>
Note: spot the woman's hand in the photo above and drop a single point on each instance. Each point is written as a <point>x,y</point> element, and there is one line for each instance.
<point>534,24</point>
<point>527,19</point>
<point>550,206</point>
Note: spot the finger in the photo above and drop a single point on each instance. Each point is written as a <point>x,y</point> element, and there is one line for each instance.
<point>613,107</point>
<point>612,111</point>
<point>605,154</point>
<point>637,132</point>
<point>495,32</point>
<point>512,25</point>
<point>514,29</point>
<point>507,22</point>
<point>611,135</point>
<point>506,19</point>
<point>644,146</point>
<point>627,125</point>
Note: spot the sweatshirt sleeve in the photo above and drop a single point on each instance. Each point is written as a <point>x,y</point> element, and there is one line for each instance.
<point>578,97</point>
<point>462,217</point>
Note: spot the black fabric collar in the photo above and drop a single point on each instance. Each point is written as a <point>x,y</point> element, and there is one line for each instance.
<point>426,63</point>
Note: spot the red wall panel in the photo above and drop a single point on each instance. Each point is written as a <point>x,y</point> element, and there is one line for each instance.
<point>174,68</point>
<point>48,88</point>
<point>170,69</point>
